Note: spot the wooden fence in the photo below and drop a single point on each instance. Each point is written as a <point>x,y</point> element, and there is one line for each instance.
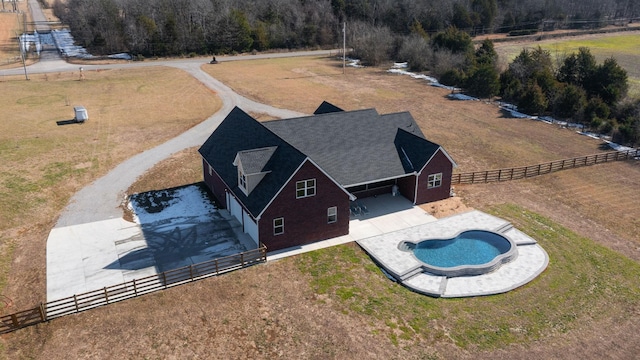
<point>130,289</point>
<point>480,177</point>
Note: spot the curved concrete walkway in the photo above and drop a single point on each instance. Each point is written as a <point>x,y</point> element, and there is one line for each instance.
<point>101,199</point>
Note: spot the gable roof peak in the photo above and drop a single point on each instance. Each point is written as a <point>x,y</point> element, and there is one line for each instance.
<point>326,107</point>
<point>253,161</point>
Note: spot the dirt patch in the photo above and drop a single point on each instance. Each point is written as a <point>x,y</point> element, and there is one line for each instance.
<point>447,207</point>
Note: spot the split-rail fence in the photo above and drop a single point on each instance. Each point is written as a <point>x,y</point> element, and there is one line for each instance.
<point>130,289</point>
<point>481,177</point>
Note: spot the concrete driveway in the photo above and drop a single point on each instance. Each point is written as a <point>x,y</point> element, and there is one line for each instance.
<point>188,230</point>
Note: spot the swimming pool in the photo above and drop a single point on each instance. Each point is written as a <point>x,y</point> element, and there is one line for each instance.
<point>471,252</point>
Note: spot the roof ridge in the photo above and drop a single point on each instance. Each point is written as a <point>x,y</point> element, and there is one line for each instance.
<point>323,115</point>
<point>258,149</point>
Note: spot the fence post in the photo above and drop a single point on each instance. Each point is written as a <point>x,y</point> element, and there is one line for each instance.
<point>191,271</point>
<point>135,289</point>
<point>14,321</point>
<point>242,259</point>
<point>217,270</point>
<point>75,300</point>
<point>106,295</point>
<point>43,312</point>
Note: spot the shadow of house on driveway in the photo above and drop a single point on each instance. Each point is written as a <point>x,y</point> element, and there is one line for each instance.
<point>180,227</point>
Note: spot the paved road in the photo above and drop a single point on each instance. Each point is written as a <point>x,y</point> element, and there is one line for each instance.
<point>101,199</point>
<point>54,63</point>
<point>39,19</point>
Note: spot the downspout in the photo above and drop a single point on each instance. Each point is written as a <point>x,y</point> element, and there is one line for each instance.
<point>415,193</point>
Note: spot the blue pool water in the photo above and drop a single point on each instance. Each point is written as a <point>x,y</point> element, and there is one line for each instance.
<point>474,247</point>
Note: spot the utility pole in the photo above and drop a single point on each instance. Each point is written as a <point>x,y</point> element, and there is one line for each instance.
<point>344,47</point>
<point>23,55</point>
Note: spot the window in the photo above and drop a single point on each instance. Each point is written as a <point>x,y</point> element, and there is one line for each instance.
<point>242,180</point>
<point>305,188</point>
<point>434,181</point>
<point>278,226</point>
<point>332,215</point>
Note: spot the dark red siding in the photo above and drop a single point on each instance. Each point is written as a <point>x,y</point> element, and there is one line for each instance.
<point>305,220</point>
<point>439,164</point>
<point>407,187</point>
<point>215,184</point>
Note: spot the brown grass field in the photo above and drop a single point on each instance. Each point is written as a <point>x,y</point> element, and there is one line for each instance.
<point>332,303</point>
<point>476,134</point>
<point>43,164</point>
<point>9,52</point>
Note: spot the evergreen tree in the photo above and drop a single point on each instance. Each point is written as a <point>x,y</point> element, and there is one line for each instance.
<point>484,82</point>
<point>570,102</point>
<point>486,54</point>
<point>609,82</point>
<point>454,40</point>
<point>533,100</point>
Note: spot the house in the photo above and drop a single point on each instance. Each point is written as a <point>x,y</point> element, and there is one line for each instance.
<point>290,182</point>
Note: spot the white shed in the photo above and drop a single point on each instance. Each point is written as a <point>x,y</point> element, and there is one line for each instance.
<point>80,114</point>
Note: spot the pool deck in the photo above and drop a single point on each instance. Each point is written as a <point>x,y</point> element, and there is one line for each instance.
<point>406,269</point>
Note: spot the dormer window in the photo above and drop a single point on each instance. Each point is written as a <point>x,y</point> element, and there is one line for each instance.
<point>242,180</point>
<point>251,167</point>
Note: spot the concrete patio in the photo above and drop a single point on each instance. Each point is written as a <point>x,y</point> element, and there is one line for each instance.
<point>409,271</point>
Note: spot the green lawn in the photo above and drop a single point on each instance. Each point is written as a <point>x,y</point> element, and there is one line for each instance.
<point>623,47</point>
<point>584,282</point>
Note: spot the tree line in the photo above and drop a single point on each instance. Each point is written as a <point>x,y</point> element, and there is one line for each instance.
<point>576,88</point>
<point>430,35</point>
<point>572,87</point>
<point>175,27</point>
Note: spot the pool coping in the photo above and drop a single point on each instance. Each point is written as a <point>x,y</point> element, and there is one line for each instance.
<point>407,270</point>
<point>464,270</point>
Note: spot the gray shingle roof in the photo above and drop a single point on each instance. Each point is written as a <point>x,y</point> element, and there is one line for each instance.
<point>353,147</point>
<point>357,147</point>
<point>239,132</point>
<point>254,160</point>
